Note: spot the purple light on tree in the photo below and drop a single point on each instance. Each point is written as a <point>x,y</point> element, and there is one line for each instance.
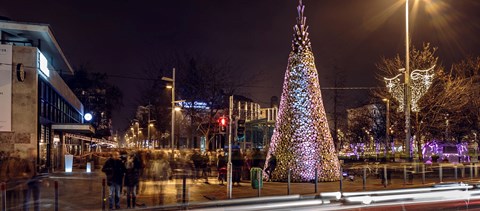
<point>302,141</point>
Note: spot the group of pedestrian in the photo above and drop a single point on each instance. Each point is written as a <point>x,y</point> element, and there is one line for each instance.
<point>19,173</point>
<point>156,167</point>
<point>202,165</point>
<point>121,173</point>
<point>128,172</point>
<point>242,163</point>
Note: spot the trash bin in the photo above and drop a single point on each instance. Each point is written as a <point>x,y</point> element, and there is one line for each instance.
<point>254,172</point>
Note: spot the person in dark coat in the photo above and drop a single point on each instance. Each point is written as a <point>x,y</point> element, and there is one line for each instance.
<point>237,163</point>
<point>114,170</point>
<point>132,177</point>
<point>221,167</point>
<point>272,164</point>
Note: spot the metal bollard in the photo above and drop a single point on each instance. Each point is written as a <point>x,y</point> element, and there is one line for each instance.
<point>288,186</point>
<point>471,171</point>
<point>103,194</point>
<point>364,178</point>
<point>341,179</point>
<point>4,196</point>
<point>316,180</point>
<point>259,179</point>
<point>56,195</point>
<point>423,173</point>
<point>476,169</point>
<point>455,173</point>
<point>385,176</point>
<point>463,171</point>
<point>184,189</point>
<point>404,175</point>
<point>440,173</point>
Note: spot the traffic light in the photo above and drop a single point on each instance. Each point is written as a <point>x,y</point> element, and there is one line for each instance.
<point>240,128</point>
<point>222,124</point>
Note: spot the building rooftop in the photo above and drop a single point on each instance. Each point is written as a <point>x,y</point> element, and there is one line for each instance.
<point>36,35</point>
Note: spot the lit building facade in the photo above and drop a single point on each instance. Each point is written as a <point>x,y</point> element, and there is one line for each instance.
<point>39,113</point>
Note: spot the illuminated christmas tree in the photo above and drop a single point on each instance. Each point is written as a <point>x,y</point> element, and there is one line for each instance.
<point>302,141</point>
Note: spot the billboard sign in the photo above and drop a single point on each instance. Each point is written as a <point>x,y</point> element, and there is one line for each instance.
<point>5,88</point>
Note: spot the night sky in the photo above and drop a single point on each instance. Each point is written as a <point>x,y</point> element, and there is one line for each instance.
<point>348,36</point>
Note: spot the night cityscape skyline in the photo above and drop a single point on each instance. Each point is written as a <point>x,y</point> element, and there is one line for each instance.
<point>208,105</point>
<point>253,36</point>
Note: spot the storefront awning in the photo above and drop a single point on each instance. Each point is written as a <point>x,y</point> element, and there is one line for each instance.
<point>74,128</point>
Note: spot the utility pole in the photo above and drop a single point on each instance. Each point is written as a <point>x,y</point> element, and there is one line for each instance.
<point>229,165</point>
<point>408,151</point>
<point>148,126</point>
<point>173,108</point>
<point>387,125</point>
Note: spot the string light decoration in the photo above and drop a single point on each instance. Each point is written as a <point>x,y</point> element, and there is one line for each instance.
<point>302,141</point>
<point>421,80</point>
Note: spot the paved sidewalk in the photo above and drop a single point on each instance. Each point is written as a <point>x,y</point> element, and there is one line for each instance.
<point>83,191</point>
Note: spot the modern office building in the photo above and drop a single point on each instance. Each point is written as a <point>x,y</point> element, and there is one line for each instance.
<point>38,111</point>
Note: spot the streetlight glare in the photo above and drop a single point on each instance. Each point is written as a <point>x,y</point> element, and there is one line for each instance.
<point>169,86</point>
<point>167,79</point>
<point>178,109</point>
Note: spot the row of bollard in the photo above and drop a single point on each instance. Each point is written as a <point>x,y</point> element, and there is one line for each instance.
<point>473,173</point>
<point>4,196</point>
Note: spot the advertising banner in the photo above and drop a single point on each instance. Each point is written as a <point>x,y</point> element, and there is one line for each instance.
<point>5,87</point>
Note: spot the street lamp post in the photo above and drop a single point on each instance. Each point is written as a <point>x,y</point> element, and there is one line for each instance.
<point>387,125</point>
<point>408,151</point>
<point>138,144</point>
<point>173,107</point>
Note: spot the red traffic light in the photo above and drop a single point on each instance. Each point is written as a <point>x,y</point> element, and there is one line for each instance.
<point>223,121</point>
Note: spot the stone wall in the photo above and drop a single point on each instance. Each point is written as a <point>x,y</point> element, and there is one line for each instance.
<point>24,103</point>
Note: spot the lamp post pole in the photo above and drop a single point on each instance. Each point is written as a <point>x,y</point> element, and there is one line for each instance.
<point>229,164</point>
<point>408,151</point>
<point>173,108</point>
<point>173,111</point>
<point>138,135</point>
<point>387,125</point>
<point>148,127</point>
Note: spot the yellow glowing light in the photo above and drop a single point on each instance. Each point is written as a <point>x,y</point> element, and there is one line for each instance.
<point>421,80</point>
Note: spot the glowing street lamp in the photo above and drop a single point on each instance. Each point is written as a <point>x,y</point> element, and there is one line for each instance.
<point>407,85</point>
<point>173,105</point>
<point>406,89</point>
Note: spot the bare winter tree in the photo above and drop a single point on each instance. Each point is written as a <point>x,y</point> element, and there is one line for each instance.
<point>449,110</point>
<point>204,84</point>
<point>420,59</point>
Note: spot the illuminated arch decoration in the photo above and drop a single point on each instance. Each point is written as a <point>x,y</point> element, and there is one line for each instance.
<point>421,80</point>
<point>302,141</point>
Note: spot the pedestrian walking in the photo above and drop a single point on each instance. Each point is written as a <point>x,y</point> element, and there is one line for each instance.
<point>132,177</point>
<point>15,178</point>
<point>237,164</point>
<point>272,164</point>
<point>221,167</point>
<point>160,172</point>
<point>33,182</point>
<point>114,170</point>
